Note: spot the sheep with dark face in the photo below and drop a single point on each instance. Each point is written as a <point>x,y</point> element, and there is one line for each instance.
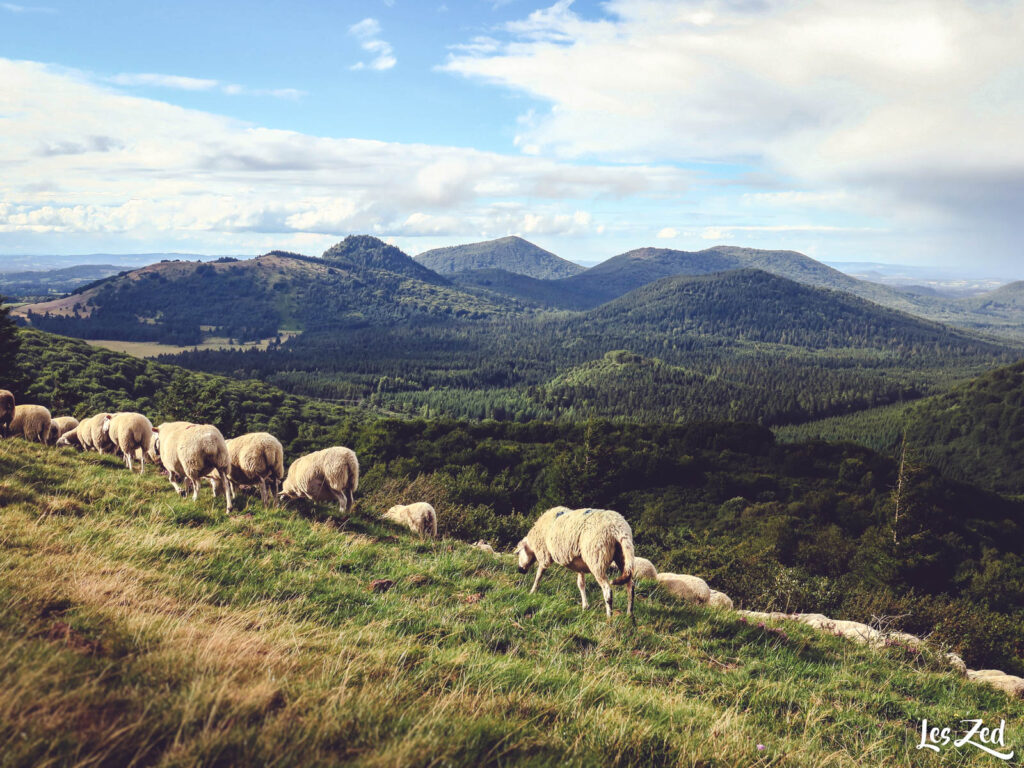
<point>584,541</point>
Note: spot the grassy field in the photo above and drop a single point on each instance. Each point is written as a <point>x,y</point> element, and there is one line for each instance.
<point>137,628</point>
<point>153,349</point>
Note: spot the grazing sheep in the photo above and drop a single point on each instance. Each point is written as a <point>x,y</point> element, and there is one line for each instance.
<point>91,436</point>
<point>190,452</point>
<point>59,427</point>
<point>256,459</point>
<point>419,517</point>
<point>31,422</point>
<point>584,541</point>
<point>6,411</point>
<point>720,600</point>
<point>72,437</point>
<point>328,475</point>
<point>129,432</point>
<point>483,546</point>
<point>689,588</point>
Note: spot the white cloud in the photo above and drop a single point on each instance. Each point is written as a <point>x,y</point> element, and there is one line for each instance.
<point>14,8</point>
<point>183,83</point>
<point>368,32</point>
<point>668,233</point>
<point>915,109</point>
<point>146,170</point>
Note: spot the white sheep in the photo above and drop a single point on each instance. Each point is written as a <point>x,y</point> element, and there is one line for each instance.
<point>31,422</point>
<point>91,435</point>
<point>584,541</point>
<point>72,437</point>
<point>419,517</point>
<point>190,452</point>
<point>720,600</point>
<point>59,427</point>
<point>129,432</point>
<point>6,411</point>
<point>693,589</point>
<point>328,475</point>
<point>256,458</point>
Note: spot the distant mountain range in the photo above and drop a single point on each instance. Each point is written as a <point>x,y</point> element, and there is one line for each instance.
<point>512,254</point>
<point>363,280</point>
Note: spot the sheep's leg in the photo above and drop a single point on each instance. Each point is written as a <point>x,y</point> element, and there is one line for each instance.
<point>228,494</point>
<point>177,488</point>
<point>536,581</point>
<point>350,499</point>
<point>128,461</point>
<point>629,597</point>
<point>606,590</point>
<point>195,487</point>
<point>581,583</point>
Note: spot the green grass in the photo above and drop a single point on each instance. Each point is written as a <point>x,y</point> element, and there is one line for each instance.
<point>137,628</point>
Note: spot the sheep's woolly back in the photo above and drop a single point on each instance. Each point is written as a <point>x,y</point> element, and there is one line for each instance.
<point>31,422</point>
<point>323,475</point>
<point>60,426</point>
<point>129,431</point>
<point>199,449</point>
<point>418,517</point>
<point>97,440</point>
<point>537,537</point>
<point>690,588</point>
<point>254,456</point>
<point>595,535</point>
<point>644,569</point>
<point>71,437</point>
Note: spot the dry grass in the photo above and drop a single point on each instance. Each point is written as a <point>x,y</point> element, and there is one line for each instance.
<point>140,630</point>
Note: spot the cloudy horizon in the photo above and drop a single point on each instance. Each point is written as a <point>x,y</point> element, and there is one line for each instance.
<point>870,133</point>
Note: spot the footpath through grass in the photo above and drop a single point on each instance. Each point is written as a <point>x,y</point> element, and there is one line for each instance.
<point>139,629</point>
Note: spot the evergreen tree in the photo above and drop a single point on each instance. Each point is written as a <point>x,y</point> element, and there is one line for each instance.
<point>9,345</point>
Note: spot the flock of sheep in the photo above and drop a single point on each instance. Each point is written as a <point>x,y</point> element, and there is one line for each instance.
<point>585,541</point>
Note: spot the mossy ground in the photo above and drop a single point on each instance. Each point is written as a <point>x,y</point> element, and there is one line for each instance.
<point>137,628</point>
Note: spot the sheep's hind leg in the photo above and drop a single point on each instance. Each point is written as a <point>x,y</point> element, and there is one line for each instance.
<point>581,582</point>
<point>629,597</point>
<point>606,590</point>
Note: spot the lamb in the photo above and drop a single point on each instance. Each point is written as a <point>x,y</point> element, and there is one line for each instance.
<point>31,422</point>
<point>191,452</point>
<point>256,459</point>
<point>129,432</point>
<point>584,541</point>
<point>419,517</point>
<point>59,427</point>
<point>328,475</point>
<point>6,411</point>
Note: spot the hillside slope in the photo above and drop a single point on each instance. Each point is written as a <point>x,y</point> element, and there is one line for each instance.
<point>141,628</point>
<point>974,432</point>
<point>357,282</point>
<point>512,254</point>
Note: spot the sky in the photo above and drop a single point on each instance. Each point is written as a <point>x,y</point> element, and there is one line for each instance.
<point>849,131</point>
